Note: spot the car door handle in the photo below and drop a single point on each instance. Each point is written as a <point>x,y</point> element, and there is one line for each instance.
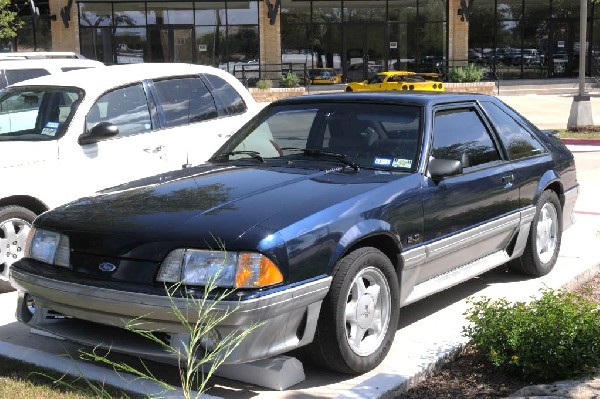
<point>154,150</point>
<point>508,180</point>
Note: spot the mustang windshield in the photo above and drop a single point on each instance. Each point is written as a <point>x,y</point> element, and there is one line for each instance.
<point>364,135</point>
<point>36,114</point>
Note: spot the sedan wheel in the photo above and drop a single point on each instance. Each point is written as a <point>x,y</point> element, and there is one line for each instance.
<point>367,311</point>
<point>545,235</point>
<point>15,223</point>
<point>359,316</point>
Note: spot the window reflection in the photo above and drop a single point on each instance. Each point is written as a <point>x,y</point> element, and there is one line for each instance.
<point>242,12</point>
<point>130,14</point>
<point>210,13</point>
<point>95,14</point>
<point>171,13</point>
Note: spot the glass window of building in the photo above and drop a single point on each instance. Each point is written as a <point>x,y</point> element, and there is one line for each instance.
<point>509,9</point>
<point>372,10</point>
<point>402,10</point>
<point>210,43</point>
<point>95,14</point>
<point>210,13</point>
<point>326,11</point>
<point>171,13</point>
<point>97,44</point>
<point>131,44</point>
<point>242,13</point>
<point>130,14</point>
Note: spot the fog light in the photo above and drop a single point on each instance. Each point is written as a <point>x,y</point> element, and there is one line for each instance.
<point>29,304</point>
<point>210,341</point>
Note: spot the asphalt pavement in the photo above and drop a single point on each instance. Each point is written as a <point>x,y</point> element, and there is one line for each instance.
<point>429,330</point>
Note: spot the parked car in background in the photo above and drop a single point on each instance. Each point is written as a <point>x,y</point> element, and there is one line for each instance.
<point>67,135</point>
<point>14,71</point>
<point>399,80</point>
<point>325,213</point>
<point>323,76</point>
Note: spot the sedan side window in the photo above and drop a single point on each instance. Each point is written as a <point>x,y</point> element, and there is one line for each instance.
<point>125,107</point>
<point>459,134</point>
<point>519,142</point>
<point>233,102</point>
<point>185,101</point>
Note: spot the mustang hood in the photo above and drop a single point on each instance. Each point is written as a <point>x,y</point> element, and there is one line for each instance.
<point>211,201</point>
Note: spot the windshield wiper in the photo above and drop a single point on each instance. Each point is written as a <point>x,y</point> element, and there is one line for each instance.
<point>343,158</point>
<point>251,154</point>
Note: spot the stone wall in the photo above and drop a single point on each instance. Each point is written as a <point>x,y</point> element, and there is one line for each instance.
<point>477,87</point>
<point>270,95</point>
<point>63,38</point>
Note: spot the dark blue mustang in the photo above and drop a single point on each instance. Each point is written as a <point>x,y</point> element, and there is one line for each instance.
<point>326,214</point>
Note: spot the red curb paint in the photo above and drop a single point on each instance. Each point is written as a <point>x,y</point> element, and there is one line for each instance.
<point>587,213</point>
<point>581,141</point>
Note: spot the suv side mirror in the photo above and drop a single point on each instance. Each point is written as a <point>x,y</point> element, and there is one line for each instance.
<point>102,131</point>
<point>440,168</point>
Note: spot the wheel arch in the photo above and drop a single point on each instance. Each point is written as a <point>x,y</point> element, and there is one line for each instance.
<point>369,233</point>
<point>550,181</point>
<point>33,204</point>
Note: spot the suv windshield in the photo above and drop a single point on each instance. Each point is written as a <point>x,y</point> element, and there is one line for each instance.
<point>360,134</point>
<point>36,114</point>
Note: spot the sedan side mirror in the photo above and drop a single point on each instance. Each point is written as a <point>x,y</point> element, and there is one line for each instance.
<point>102,131</point>
<point>440,168</point>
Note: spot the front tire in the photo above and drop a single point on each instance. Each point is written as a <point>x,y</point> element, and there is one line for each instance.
<point>349,90</point>
<point>359,316</point>
<point>545,236</point>
<point>15,223</point>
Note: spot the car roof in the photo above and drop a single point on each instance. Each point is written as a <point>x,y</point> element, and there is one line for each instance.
<point>48,64</point>
<point>94,80</point>
<point>411,98</point>
<point>40,55</point>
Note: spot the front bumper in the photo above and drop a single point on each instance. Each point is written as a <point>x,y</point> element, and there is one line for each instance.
<point>97,316</point>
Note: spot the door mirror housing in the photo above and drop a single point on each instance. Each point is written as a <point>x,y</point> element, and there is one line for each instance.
<point>440,168</point>
<point>102,131</point>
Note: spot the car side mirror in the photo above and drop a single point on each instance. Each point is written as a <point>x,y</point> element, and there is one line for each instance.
<point>102,131</point>
<point>440,168</point>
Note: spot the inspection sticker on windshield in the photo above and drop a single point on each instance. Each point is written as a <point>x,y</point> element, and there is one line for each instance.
<point>50,128</point>
<point>382,162</point>
<point>401,163</point>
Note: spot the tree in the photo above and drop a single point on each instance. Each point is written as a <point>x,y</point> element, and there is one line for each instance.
<point>9,22</point>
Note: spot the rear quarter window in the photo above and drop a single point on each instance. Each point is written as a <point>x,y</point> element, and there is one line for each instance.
<point>231,99</point>
<point>518,141</point>
<point>18,75</point>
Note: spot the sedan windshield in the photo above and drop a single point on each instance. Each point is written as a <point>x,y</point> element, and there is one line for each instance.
<point>360,135</point>
<point>36,114</point>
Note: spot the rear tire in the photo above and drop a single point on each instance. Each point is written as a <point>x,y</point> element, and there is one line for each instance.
<point>349,90</point>
<point>544,240</point>
<point>359,315</point>
<point>15,223</point>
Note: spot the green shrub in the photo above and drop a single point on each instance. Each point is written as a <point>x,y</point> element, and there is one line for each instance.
<point>289,80</point>
<point>470,73</point>
<point>551,338</point>
<point>264,84</point>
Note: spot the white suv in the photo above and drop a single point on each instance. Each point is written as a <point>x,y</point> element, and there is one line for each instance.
<point>71,134</point>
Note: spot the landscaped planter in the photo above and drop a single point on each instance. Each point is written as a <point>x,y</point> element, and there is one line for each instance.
<point>276,93</point>
<point>475,87</point>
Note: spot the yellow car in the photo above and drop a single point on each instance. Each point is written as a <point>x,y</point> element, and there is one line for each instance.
<point>399,80</point>
<point>324,76</point>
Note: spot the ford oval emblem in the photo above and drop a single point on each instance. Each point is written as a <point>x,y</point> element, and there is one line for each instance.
<point>107,267</point>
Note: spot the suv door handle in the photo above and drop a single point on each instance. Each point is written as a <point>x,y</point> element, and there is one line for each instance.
<point>508,180</point>
<point>154,150</point>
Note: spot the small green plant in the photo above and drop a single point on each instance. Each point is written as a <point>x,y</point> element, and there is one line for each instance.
<point>289,80</point>
<point>469,73</point>
<point>199,319</point>
<point>264,84</point>
<point>550,338</point>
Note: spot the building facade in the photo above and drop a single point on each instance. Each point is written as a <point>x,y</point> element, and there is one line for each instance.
<point>512,39</point>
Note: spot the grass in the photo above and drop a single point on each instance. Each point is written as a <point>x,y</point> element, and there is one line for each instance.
<point>591,132</point>
<point>26,381</point>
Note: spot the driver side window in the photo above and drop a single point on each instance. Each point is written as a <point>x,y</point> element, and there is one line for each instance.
<point>125,107</point>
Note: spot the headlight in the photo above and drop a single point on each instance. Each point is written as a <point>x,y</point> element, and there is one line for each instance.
<point>223,269</point>
<point>48,246</point>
